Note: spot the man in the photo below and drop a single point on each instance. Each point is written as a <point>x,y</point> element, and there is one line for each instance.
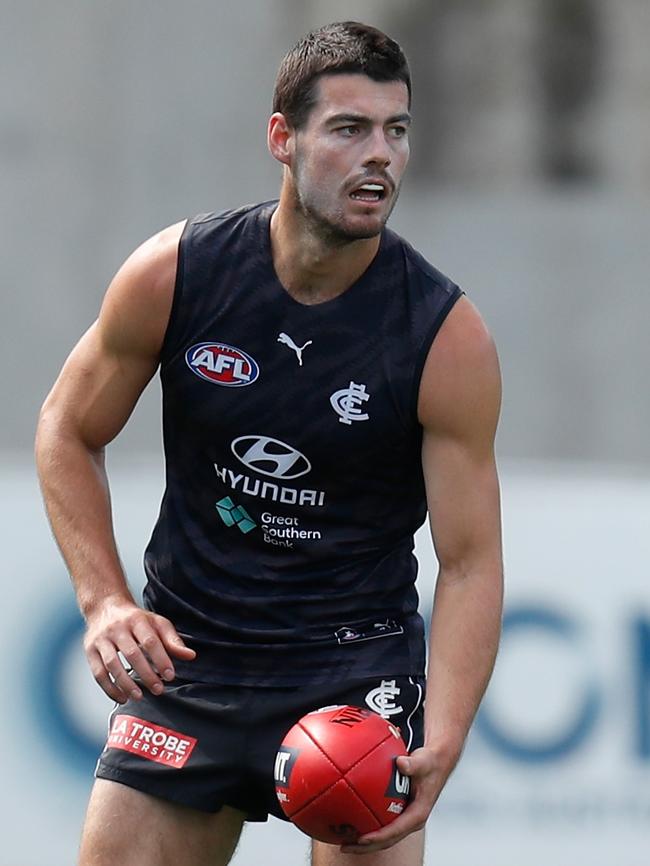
<point>322,386</point>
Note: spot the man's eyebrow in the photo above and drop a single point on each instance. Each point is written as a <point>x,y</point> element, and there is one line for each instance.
<point>404,118</point>
<point>362,118</point>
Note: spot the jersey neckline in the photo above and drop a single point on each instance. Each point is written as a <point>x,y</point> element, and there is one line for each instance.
<point>264,215</point>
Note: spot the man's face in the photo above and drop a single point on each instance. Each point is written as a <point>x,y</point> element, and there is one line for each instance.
<point>350,156</point>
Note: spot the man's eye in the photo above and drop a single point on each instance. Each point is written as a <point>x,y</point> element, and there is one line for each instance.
<point>348,130</point>
<point>398,131</point>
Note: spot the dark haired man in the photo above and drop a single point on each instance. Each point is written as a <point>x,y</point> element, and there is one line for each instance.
<point>322,385</point>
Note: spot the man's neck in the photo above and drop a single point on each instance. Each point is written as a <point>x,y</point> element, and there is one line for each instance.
<point>311,269</point>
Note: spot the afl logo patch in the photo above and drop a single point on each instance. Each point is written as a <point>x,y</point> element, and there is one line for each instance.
<point>222,364</point>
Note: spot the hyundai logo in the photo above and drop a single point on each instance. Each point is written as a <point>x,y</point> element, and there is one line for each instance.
<point>270,457</point>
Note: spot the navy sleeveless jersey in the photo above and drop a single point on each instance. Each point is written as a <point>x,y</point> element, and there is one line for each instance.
<point>283,552</point>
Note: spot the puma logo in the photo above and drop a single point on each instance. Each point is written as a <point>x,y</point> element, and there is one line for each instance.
<point>286,339</point>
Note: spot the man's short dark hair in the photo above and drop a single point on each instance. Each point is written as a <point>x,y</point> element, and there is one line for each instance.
<point>345,46</point>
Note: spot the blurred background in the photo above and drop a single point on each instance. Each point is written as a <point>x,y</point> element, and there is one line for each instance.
<point>530,186</point>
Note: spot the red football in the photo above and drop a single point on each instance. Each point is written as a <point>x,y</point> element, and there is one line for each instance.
<point>335,774</point>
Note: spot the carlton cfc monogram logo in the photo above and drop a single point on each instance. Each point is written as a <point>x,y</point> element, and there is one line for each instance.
<point>382,700</point>
<point>346,403</point>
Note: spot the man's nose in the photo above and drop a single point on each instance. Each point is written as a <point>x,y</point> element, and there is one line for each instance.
<point>379,152</point>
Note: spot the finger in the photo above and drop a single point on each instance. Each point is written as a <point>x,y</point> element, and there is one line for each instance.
<point>419,763</point>
<point>370,847</point>
<point>404,765</point>
<point>115,668</point>
<point>413,818</point>
<point>151,642</point>
<point>103,679</point>
<point>370,844</point>
<point>139,659</point>
<point>173,642</point>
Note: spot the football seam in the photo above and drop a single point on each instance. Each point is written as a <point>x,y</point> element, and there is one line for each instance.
<point>327,758</point>
<point>344,775</point>
<point>368,807</point>
<point>352,789</point>
<point>352,766</point>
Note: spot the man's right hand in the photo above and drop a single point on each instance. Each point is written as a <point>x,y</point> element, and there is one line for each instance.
<point>145,640</point>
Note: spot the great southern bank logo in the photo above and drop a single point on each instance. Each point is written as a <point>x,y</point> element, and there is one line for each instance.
<point>222,364</point>
<point>235,515</point>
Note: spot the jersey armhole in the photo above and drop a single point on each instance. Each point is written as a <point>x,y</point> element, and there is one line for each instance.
<point>425,346</point>
<point>167,349</point>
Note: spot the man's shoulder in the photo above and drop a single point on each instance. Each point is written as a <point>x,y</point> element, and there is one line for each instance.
<point>416,263</point>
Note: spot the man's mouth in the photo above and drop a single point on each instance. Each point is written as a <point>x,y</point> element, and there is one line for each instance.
<point>370,192</point>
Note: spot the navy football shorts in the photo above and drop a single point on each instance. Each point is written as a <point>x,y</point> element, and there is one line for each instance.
<point>206,746</point>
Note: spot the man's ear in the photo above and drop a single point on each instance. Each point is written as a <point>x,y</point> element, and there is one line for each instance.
<point>280,138</point>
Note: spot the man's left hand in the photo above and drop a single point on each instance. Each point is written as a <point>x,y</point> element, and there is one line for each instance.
<point>428,774</point>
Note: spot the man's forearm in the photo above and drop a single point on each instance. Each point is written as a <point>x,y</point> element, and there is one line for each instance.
<point>76,494</point>
<point>465,631</point>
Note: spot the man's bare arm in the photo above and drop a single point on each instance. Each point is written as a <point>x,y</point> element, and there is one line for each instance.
<point>465,515</point>
<point>460,398</point>
<point>89,404</point>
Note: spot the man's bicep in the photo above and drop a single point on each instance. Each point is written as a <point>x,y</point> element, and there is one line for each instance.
<point>96,391</point>
<point>464,505</point>
<point>460,398</point>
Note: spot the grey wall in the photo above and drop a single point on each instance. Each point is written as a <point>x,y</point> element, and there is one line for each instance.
<point>119,118</point>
